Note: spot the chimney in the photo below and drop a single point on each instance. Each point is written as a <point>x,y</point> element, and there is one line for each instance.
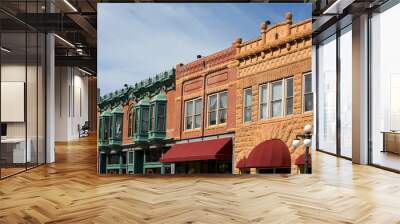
<point>198,56</point>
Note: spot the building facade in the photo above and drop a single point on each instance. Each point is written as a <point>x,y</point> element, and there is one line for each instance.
<point>234,111</point>
<point>274,89</point>
<point>134,129</point>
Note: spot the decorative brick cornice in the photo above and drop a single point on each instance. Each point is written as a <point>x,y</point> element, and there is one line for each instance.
<point>207,63</point>
<point>281,35</point>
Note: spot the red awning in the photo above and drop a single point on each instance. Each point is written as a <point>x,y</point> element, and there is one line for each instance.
<point>216,149</point>
<point>271,153</point>
<point>241,164</point>
<point>300,160</point>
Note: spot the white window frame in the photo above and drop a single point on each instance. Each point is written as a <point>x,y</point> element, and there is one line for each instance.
<point>217,109</point>
<point>286,97</point>
<point>267,102</point>
<point>193,115</point>
<point>244,104</point>
<point>282,98</point>
<point>304,93</point>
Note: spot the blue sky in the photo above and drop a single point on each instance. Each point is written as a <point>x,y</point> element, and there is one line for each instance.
<point>137,41</point>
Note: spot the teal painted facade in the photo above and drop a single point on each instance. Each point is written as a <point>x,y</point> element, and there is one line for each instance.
<point>146,127</point>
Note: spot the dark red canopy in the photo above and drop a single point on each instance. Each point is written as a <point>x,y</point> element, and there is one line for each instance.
<point>216,149</point>
<point>241,164</point>
<point>301,159</point>
<point>271,153</point>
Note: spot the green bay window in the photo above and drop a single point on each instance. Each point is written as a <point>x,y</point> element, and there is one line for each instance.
<point>142,120</point>
<point>117,125</point>
<point>158,110</point>
<point>104,128</point>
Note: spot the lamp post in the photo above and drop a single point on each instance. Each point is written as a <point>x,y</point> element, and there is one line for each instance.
<point>307,136</point>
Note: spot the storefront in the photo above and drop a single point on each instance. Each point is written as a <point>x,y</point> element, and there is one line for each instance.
<point>198,156</point>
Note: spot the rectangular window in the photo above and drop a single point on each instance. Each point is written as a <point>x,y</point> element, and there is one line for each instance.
<point>217,104</point>
<point>152,118</point>
<point>197,113</point>
<point>136,121</point>
<point>192,114</point>
<point>264,102</point>
<point>247,105</point>
<point>289,96</point>
<point>161,117</point>
<point>276,99</point>
<point>308,94</point>
<point>145,120</point>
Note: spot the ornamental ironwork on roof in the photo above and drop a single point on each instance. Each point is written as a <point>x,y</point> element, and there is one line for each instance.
<point>148,87</point>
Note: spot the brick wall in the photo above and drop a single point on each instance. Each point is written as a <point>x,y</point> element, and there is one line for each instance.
<point>282,51</point>
<point>201,78</point>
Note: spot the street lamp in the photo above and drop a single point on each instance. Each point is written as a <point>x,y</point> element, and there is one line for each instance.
<point>307,136</point>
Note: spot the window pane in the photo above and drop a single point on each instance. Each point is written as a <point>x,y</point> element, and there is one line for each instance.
<point>307,83</point>
<point>264,94</point>
<point>346,92</point>
<point>223,100</point>
<point>289,87</point>
<point>247,98</point>
<point>188,123</point>
<point>277,108</point>
<point>289,106</point>
<point>189,108</point>
<point>212,103</point>
<point>308,102</point>
<point>326,95</point>
<point>161,117</point>
<point>197,109</point>
<point>152,122</point>
<point>197,121</point>
<point>263,111</point>
<point>212,118</point>
<point>145,119</point>
<point>118,127</point>
<point>247,114</point>
<point>277,91</point>
<point>222,116</point>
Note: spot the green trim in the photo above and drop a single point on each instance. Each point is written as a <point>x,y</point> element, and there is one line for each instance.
<point>164,80</point>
